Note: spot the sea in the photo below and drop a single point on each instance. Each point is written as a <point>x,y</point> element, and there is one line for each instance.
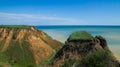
<point>110,33</point>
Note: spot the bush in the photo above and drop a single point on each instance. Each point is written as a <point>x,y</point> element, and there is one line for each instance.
<point>69,63</point>
<point>101,58</point>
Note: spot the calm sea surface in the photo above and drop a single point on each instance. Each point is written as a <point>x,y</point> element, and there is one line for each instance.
<point>111,33</point>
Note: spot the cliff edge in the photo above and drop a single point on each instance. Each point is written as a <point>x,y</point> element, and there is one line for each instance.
<point>25,46</point>
<point>83,50</point>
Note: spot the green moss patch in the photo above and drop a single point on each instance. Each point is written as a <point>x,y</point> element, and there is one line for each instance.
<point>80,35</point>
<point>15,26</point>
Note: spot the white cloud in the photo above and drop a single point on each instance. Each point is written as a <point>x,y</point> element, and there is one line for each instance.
<point>11,18</point>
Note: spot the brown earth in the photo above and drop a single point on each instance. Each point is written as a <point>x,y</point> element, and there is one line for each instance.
<point>41,45</point>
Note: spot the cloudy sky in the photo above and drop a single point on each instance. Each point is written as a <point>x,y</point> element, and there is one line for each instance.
<point>60,12</point>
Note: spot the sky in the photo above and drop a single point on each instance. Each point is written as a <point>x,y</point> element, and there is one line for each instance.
<point>59,12</point>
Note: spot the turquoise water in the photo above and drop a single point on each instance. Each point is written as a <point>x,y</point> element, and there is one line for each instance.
<point>110,33</point>
<point>61,33</point>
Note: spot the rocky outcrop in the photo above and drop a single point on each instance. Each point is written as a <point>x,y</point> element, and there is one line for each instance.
<point>79,50</point>
<point>25,46</point>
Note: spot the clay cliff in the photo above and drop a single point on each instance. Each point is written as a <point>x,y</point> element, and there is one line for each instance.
<point>25,46</point>
<point>83,50</point>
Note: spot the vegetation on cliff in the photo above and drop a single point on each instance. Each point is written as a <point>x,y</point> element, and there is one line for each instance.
<point>25,46</point>
<point>15,26</point>
<point>100,58</point>
<point>80,35</point>
<point>83,50</point>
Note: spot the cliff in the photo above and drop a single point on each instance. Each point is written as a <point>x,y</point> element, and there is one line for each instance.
<point>83,50</point>
<point>25,46</point>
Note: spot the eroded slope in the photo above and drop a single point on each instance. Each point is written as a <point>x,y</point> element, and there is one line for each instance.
<point>26,46</point>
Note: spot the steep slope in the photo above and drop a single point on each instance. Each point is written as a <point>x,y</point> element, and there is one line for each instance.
<point>25,46</point>
<point>83,50</point>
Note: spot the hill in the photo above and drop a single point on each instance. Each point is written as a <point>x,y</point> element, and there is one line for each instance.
<point>25,46</point>
<point>83,50</point>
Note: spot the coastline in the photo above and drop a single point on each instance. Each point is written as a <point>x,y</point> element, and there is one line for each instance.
<point>115,49</point>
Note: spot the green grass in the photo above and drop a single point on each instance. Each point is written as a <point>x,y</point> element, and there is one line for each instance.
<point>15,26</point>
<point>18,55</point>
<point>47,36</point>
<point>47,61</point>
<point>80,35</point>
<point>3,64</point>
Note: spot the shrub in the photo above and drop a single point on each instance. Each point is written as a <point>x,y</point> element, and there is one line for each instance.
<point>69,63</point>
<point>101,58</point>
